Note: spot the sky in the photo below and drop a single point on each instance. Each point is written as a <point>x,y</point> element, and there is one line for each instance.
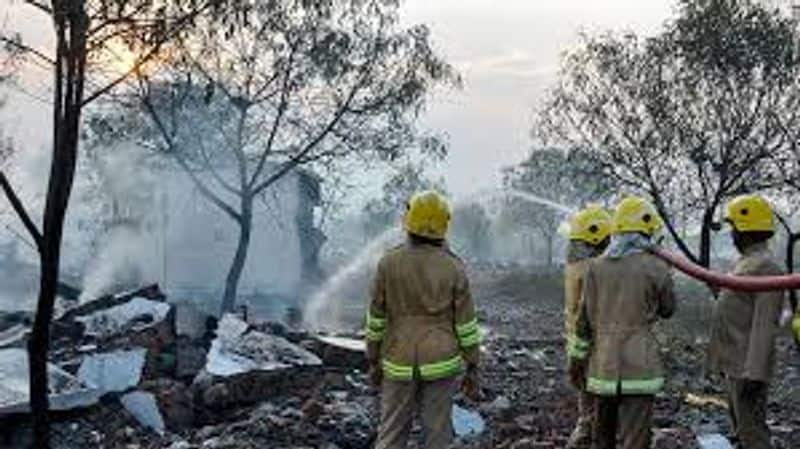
<point>507,52</point>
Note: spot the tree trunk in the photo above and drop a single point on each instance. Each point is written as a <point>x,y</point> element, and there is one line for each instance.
<point>239,259</point>
<point>71,23</point>
<point>705,237</point>
<point>62,173</point>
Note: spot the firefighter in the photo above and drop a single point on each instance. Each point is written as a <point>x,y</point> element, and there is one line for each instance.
<point>589,232</point>
<point>422,331</point>
<point>796,326</point>
<point>742,346</point>
<point>613,354</point>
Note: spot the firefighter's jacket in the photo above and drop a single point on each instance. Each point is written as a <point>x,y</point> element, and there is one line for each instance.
<point>573,290</point>
<point>746,324</point>
<point>421,321</point>
<point>622,299</point>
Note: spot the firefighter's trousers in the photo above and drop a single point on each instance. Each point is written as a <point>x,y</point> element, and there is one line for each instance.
<point>748,409</point>
<point>399,403</point>
<point>632,415</point>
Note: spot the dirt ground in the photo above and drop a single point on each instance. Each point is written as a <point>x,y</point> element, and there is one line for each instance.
<point>525,362</point>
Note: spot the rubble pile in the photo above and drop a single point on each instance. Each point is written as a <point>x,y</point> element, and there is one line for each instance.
<point>134,371</point>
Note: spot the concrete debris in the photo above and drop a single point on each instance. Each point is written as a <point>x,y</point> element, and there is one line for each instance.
<point>67,392</point>
<point>500,406</point>
<point>341,352</point>
<point>713,441</point>
<point>268,385</point>
<point>350,344</point>
<point>116,371</point>
<point>143,407</point>
<point>467,423</point>
<point>246,366</point>
<point>235,352</point>
<point>14,336</point>
<point>151,292</point>
<point>231,327</point>
<point>135,315</point>
<point>190,321</point>
<point>175,401</point>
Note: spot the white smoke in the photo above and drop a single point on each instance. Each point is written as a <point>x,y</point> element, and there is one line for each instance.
<point>126,252</point>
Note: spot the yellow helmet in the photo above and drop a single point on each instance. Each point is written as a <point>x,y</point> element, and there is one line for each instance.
<point>428,215</point>
<point>635,214</point>
<point>750,213</point>
<point>591,225</point>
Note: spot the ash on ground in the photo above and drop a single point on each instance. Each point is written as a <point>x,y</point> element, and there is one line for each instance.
<point>163,376</point>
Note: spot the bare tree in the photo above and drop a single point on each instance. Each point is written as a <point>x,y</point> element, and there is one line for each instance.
<point>470,230</point>
<point>300,83</point>
<point>88,34</point>
<point>684,117</point>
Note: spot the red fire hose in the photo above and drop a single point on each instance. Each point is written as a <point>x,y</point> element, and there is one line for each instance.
<point>727,281</point>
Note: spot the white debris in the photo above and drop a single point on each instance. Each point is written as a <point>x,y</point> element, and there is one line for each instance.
<point>713,441</point>
<point>13,335</point>
<point>467,423</point>
<point>236,351</point>
<point>114,371</point>
<point>189,321</point>
<point>67,392</point>
<point>137,314</point>
<point>350,344</point>
<point>500,404</point>
<point>144,408</point>
<point>231,327</point>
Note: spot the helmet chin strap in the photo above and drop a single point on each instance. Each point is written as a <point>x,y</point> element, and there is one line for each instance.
<point>738,283</point>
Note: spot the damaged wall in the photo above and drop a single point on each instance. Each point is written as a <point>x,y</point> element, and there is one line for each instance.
<point>141,221</point>
<point>197,241</point>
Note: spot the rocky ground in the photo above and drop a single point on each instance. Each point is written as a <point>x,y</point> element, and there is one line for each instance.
<point>527,402</point>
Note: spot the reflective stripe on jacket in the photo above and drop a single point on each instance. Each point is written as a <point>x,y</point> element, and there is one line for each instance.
<point>622,299</point>
<point>421,320</point>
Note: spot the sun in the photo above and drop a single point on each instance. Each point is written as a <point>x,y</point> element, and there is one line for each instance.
<point>118,59</point>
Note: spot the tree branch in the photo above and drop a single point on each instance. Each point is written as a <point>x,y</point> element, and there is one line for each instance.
<point>27,49</point>
<point>19,208</point>
<point>174,152</point>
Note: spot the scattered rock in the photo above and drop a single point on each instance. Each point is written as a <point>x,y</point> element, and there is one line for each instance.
<point>175,401</point>
<point>143,407</point>
<point>713,441</point>
<point>341,352</point>
<point>467,423</point>
<point>245,366</point>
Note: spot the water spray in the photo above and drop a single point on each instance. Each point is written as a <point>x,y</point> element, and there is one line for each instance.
<point>319,313</point>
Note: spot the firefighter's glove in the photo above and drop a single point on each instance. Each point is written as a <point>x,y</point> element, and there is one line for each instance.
<point>577,373</point>
<point>375,375</point>
<point>471,385</point>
